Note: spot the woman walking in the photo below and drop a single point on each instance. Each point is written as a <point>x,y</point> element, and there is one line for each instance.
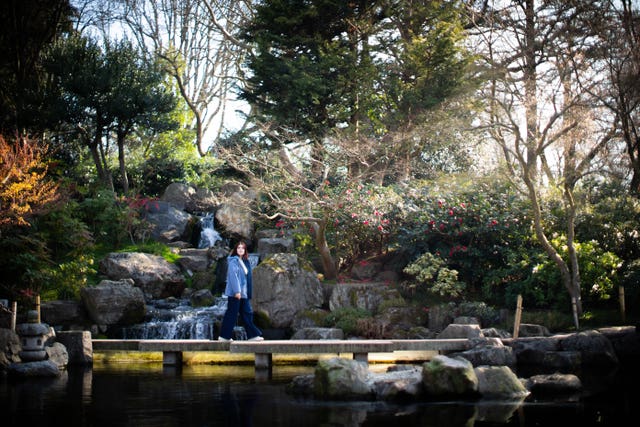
<point>238,290</point>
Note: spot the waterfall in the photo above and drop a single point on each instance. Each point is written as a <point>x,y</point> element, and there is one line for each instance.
<point>176,319</point>
<point>208,234</point>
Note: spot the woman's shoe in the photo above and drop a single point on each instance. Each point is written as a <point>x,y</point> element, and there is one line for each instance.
<point>257,338</point>
<point>225,339</point>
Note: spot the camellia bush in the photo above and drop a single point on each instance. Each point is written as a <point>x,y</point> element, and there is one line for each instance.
<point>479,229</point>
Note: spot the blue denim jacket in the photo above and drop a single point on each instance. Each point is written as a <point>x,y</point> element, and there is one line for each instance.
<point>237,281</point>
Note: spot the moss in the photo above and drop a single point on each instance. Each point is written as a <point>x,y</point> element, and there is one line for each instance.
<point>261,319</point>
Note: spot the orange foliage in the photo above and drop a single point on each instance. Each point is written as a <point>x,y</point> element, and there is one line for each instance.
<point>24,187</point>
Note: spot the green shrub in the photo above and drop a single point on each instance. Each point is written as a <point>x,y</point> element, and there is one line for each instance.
<point>346,318</point>
<point>68,278</point>
<point>433,276</point>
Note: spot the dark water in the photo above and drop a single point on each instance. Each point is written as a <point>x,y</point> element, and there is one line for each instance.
<point>208,395</point>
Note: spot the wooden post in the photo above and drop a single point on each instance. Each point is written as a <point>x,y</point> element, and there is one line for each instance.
<point>14,315</point>
<point>623,313</point>
<point>516,322</point>
<point>38,306</point>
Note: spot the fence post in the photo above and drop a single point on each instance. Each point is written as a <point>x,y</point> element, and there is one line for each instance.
<point>38,307</point>
<point>622,303</point>
<point>516,323</point>
<point>14,315</point>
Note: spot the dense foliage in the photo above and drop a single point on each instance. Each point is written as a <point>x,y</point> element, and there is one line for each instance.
<point>366,143</point>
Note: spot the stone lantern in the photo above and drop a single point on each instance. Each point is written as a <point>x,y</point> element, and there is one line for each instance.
<point>32,336</point>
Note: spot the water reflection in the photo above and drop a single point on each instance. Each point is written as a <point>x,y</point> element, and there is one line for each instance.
<point>217,395</point>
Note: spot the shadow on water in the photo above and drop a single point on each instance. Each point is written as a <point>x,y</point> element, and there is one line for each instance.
<point>214,395</point>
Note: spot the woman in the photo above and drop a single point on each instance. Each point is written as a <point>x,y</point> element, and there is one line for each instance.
<point>238,291</point>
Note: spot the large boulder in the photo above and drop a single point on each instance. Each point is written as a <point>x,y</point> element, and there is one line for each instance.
<point>79,346</point>
<point>282,288</point>
<point>499,382</point>
<point>446,376</point>
<point>178,195</point>
<point>203,200</point>
<point>114,303</point>
<point>192,260</point>
<point>58,354</point>
<point>553,384</point>
<point>64,313</point>
<point>168,223</point>
<point>367,296</point>
<point>625,341</point>
<point>9,348</point>
<point>342,379</point>
<point>234,217</point>
<point>274,245</point>
<point>532,330</point>
<point>157,277</point>
<point>489,352</point>
<point>398,384</point>
<point>544,355</point>
<point>594,347</point>
<point>456,330</point>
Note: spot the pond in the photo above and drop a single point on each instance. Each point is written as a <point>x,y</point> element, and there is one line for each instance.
<point>140,395</point>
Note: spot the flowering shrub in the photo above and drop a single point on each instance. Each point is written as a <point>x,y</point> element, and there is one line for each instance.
<point>362,224</point>
<point>478,229</point>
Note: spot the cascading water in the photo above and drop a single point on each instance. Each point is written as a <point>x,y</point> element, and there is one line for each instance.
<point>175,318</point>
<point>208,234</point>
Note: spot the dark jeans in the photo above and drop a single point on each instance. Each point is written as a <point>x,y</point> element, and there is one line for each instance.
<point>234,307</point>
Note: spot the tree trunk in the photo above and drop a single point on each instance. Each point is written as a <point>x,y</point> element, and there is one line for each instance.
<point>328,263</point>
<point>123,170</point>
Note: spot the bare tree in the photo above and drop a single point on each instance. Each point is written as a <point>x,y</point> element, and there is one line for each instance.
<point>542,120</point>
<point>618,56</point>
<point>196,40</point>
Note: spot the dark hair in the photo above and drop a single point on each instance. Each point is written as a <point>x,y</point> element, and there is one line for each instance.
<point>246,250</point>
